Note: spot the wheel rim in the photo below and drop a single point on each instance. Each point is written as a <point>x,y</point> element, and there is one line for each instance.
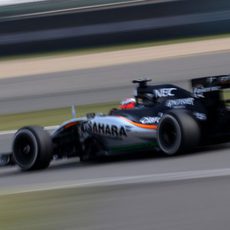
<point>25,149</point>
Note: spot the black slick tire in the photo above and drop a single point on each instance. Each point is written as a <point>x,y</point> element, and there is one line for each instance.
<point>32,148</point>
<point>178,132</point>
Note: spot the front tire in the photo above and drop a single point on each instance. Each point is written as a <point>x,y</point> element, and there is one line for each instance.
<point>178,132</point>
<point>32,148</point>
<point>5,159</point>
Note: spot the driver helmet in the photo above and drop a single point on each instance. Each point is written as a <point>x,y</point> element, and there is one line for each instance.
<point>128,103</point>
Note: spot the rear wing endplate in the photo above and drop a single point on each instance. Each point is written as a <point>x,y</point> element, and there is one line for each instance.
<point>213,89</point>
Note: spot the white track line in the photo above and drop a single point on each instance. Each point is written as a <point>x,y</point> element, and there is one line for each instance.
<point>16,2</point>
<point>149,178</point>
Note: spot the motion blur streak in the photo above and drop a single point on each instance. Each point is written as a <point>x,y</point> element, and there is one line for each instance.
<point>109,181</point>
<point>109,28</point>
<point>126,21</point>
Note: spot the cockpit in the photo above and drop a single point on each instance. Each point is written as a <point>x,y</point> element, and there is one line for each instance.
<point>146,99</point>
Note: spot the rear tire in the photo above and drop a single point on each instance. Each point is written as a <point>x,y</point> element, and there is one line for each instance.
<point>32,148</point>
<point>178,132</point>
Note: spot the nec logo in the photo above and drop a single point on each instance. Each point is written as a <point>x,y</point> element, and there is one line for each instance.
<point>164,92</point>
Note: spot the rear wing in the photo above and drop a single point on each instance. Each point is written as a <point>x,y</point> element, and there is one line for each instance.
<point>213,91</point>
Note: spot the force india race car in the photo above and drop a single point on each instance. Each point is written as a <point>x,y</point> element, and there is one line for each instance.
<point>165,118</point>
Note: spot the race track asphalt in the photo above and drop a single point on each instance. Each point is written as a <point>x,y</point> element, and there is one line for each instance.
<point>175,204</point>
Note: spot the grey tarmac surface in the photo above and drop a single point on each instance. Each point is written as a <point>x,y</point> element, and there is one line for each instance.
<point>102,84</point>
<point>183,205</point>
<point>5,143</point>
<point>72,171</point>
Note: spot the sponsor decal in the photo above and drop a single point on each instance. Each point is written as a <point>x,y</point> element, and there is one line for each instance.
<point>200,116</point>
<point>221,79</point>
<point>180,102</point>
<point>210,80</point>
<point>225,79</point>
<point>200,90</point>
<point>106,129</point>
<point>164,92</point>
<point>150,120</point>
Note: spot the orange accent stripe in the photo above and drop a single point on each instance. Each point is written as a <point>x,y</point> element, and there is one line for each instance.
<point>70,124</point>
<point>143,126</point>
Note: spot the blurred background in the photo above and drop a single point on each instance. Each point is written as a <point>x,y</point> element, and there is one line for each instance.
<point>56,53</point>
<point>41,26</point>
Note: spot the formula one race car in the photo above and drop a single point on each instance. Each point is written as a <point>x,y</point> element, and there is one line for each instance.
<point>165,118</point>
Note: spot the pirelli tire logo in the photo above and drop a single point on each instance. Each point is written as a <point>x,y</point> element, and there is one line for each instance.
<point>105,129</point>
